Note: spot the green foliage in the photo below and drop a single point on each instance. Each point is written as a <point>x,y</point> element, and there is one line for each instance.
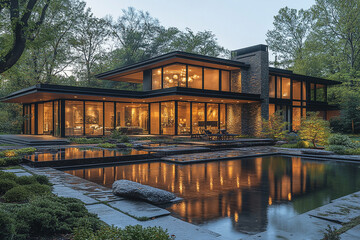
<point>24,180</point>
<point>107,145</point>
<point>49,215</point>
<point>14,156</point>
<point>8,175</point>
<point>86,140</point>
<point>339,139</point>
<point>120,136</point>
<point>299,144</point>
<point>274,128</point>
<point>42,179</point>
<point>331,234</point>
<point>18,194</point>
<point>338,149</point>
<point>136,232</point>
<point>314,129</point>
<point>6,184</point>
<point>7,226</point>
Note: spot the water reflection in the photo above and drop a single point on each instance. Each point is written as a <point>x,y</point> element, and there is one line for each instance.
<point>81,153</point>
<point>240,190</point>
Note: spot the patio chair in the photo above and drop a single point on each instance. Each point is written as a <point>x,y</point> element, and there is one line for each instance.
<point>227,135</point>
<point>212,136</point>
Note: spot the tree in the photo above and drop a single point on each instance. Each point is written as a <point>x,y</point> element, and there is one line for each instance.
<point>314,129</point>
<point>287,39</point>
<point>22,19</point>
<point>275,127</point>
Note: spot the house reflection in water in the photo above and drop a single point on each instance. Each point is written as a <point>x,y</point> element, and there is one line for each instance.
<point>241,190</point>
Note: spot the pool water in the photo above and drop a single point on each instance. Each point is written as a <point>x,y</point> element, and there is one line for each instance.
<point>239,197</point>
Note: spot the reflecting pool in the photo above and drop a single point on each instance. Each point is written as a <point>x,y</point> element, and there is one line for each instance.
<point>239,197</point>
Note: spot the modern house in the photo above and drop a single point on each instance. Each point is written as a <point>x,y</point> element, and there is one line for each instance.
<point>183,93</point>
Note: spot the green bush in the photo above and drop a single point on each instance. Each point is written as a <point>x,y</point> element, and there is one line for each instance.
<point>302,144</point>
<point>42,179</point>
<point>7,175</point>
<point>25,151</point>
<point>6,185</point>
<point>353,151</point>
<point>86,140</point>
<point>338,149</point>
<point>49,215</point>
<point>128,233</point>
<point>7,225</point>
<point>17,194</point>
<point>339,139</point>
<point>107,145</point>
<point>331,234</point>
<point>11,161</point>
<point>120,135</point>
<point>24,180</point>
<point>38,189</point>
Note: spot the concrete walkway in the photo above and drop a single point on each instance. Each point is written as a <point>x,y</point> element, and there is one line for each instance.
<point>120,212</point>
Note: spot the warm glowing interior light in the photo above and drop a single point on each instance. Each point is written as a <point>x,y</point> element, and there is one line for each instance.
<point>289,196</point>
<point>175,76</point>
<point>270,201</point>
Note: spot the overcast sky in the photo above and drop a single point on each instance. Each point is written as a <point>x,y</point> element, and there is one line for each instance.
<point>236,23</point>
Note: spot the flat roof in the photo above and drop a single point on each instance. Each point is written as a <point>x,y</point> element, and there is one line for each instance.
<point>293,75</point>
<point>48,92</point>
<point>169,58</point>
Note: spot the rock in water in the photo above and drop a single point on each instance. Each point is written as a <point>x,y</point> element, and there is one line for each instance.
<point>130,189</point>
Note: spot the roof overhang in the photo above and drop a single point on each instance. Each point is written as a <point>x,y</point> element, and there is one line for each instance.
<point>47,92</point>
<point>133,72</point>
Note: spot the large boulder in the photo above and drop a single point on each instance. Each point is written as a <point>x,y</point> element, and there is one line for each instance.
<point>134,190</point>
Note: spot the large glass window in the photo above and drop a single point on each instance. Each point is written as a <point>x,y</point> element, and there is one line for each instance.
<point>168,118</point>
<point>32,119</point>
<point>320,93</point>
<point>296,89</point>
<point>304,91</point>
<point>40,118</point>
<point>174,76</point>
<point>156,79</point>
<point>296,118</point>
<point>211,79</point>
<point>109,117</point>
<point>27,117</point>
<point>56,119</point>
<point>155,118</point>
<point>272,86</point>
<point>212,117</point>
<point>278,87</point>
<point>312,92</point>
<point>120,114</point>
<point>133,118</point>
<point>271,110</point>
<point>222,116</point>
<point>195,77</point>
<point>285,88</point>
<point>48,118</point>
<point>74,122</point>
<point>225,81</point>
<point>184,118</point>
<point>198,117</point>
<point>94,118</point>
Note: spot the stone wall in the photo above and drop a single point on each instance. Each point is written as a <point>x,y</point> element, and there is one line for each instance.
<point>233,120</point>
<point>236,81</point>
<point>251,119</point>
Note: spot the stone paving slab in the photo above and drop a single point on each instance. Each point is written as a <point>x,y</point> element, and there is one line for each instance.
<point>63,191</point>
<point>352,199</point>
<point>22,174</point>
<point>352,234</point>
<point>301,227</point>
<point>336,211</point>
<point>139,209</point>
<point>15,170</point>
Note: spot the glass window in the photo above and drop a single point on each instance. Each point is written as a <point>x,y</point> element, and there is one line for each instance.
<point>93,118</point>
<point>74,112</point>
<point>296,118</point>
<point>285,88</point>
<point>212,117</point>
<point>198,117</point>
<point>120,114</point>
<point>195,77</point>
<point>56,119</point>
<point>109,117</point>
<point>40,118</point>
<point>155,118</point>
<point>312,92</point>
<point>183,118</point>
<point>271,110</point>
<point>304,91</point>
<point>168,118</point>
<point>222,116</point>
<point>272,86</point>
<point>304,112</point>
<point>48,118</point>
<point>174,76</point>
<point>32,118</point>
<point>27,118</point>
<point>320,93</point>
<point>225,81</point>
<point>296,89</point>
<point>156,79</point>
<point>296,103</point>
<point>211,79</point>
<point>132,118</point>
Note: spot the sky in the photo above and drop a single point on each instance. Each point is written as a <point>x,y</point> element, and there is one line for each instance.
<point>236,23</point>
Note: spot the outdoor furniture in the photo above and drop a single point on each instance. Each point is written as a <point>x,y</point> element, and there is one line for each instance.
<point>227,135</point>
<point>212,136</point>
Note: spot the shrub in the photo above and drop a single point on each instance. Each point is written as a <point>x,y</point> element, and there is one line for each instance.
<point>7,175</point>
<point>338,149</point>
<point>107,145</point>
<point>302,144</point>
<point>6,225</point>
<point>25,151</point>
<point>353,151</point>
<point>17,194</point>
<point>314,129</point>
<point>38,189</point>
<point>11,161</point>
<point>24,180</point>
<point>6,185</point>
<point>339,139</point>
<point>86,140</point>
<point>136,232</point>
<point>331,234</point>
<point>124,139</point>
<point>42,179</point>
<point>274,128</point>
<point>49,215</point>
<point>292,137</point>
